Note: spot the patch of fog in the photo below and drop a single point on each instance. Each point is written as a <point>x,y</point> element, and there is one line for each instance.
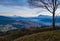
<point>6,27</point>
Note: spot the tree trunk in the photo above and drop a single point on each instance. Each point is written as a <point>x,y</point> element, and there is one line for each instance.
<point>53,20</point>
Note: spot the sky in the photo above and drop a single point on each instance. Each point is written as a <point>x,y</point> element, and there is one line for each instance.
<point>21,8</point>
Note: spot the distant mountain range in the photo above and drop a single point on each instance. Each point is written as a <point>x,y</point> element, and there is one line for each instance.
<point>9,23</point>
<point>17,22</point>
<point>42,19</point>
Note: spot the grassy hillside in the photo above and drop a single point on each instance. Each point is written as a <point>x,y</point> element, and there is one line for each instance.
<point>42,36</point>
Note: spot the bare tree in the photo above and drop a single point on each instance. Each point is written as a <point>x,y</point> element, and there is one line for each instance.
<point>50,5</point>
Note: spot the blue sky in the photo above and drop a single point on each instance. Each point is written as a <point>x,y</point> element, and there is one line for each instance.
<point>21,8</point>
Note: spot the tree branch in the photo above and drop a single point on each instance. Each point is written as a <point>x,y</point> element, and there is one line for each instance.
<point>48,9</point>
<point>56,5</point>
<point>45,4</point>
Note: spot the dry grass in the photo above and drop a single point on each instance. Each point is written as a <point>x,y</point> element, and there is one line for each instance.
<point>42,36</point>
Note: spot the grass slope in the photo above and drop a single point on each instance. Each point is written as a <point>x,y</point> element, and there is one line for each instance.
<point>42,36</point>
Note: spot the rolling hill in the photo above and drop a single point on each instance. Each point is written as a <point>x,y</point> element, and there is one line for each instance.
<point>42,36</point>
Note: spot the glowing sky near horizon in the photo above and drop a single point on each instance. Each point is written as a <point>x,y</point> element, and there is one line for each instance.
<point>21,8</point>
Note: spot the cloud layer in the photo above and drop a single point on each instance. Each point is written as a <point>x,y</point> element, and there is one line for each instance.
<point>21,8</point>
